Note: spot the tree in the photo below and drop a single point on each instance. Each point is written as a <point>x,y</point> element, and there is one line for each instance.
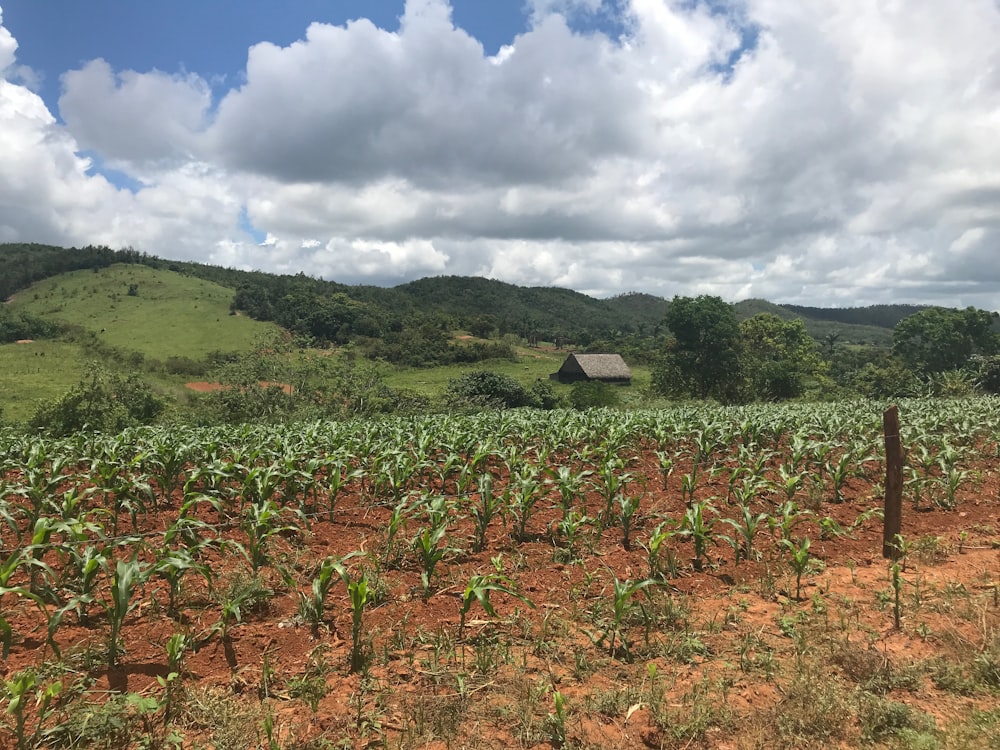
<point>830,343</point>
<point>888,378</point>
<point>939,339</point>
<point>704,360</point>
<point>777,356</point>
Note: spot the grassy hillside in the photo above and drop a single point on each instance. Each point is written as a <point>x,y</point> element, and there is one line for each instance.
<point>36,373</point>
<point>533,364</point>
<point>170,314</point>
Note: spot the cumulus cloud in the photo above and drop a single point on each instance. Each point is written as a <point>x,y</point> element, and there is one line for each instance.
<point>133,117</point>
<point>8,47</point>
<point>833,152</point>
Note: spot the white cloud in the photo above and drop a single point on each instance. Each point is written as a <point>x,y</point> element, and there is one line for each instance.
<point>8,47</point>
<point>134,117</point>
<point>831,152</point>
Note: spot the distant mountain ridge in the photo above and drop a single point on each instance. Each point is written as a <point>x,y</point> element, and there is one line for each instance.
<point>546,312</point>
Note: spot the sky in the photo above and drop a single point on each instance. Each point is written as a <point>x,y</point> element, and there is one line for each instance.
<point>826,153</point>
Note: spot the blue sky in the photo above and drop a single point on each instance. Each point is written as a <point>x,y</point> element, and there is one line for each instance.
<point>834,152</point>
<point>206,37</point>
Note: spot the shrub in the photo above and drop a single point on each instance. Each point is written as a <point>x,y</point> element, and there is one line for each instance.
<point>185,366</point>
<point>489,389</point>
<point>101,401</point>
<point>545,395</point>
<point>589,394</point>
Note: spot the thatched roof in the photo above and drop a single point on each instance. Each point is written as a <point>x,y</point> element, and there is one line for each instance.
<point>597,366</point>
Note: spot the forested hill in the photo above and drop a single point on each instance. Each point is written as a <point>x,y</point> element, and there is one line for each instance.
<point>514,307</point>
<point>419,313</point>
<point>880,316</point>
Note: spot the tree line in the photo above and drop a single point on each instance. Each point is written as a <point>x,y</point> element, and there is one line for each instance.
<point>710,354</point>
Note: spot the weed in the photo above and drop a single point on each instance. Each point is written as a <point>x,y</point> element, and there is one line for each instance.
<point>881,719</point>
<point>814,709</point>
<point>702,709</point>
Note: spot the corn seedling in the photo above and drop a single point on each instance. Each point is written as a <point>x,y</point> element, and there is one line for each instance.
<point>488,507</point>
<point>799,560</point>
<point>171,566</point>
<point>430,547</point>
<point>360,595</point>
<point>479,589</point>
<point>697,526</point>
<point>527,492</point>
<point>127,576</point>
<point>312,605</point>
<point>745,526</point>
<point>260,522</point>
<point>18,693</point>
<point>556,721</point>
<point>628,507</point>
<point>623,593</point>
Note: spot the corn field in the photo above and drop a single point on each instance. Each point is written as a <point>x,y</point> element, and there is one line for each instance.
<point>404,574</point>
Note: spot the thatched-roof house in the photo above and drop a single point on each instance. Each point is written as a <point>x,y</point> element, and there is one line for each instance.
<point>609,368</point>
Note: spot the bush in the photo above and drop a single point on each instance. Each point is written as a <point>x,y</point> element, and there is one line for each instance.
<point>101,401</point>
<point>590,394</point>
<point>545,395</point>
<point>488,389</point>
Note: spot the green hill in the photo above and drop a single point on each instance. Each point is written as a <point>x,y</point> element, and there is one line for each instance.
<point>168,314</point>
<point>544,311</point>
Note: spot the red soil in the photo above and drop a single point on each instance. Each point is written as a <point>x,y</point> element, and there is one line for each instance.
<point>418,653</point>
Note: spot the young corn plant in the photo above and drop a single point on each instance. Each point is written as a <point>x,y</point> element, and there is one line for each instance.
<point>613,484</point>
<point>127,577</point>
<point>313,604</point>
<point>840,471</point>
<point>488,507</point>
<point>7,569</point>
<point>260,522</point>
<point>176,648</point>
<point>799,560</point>
<point>745,526</point>
<point>172,566</point>
<point>659,557</point>
<point>526,494</point>
<point>360,593</point>
<point>665,462</point>
<point>479,589</point>
<point>81,574</point>
<point>18,693</point>
<point>790,481</point>
<point>697,525</point>
<point>430,545</point>
<point>567,532</point>
<point>392,550</point>
<point>572,485</point>
<point>338,475</point>
<point>166,462</point>
<point>556,720</point>
<point>628,509</point>
<point>950,481</point>
<point>615,631</point>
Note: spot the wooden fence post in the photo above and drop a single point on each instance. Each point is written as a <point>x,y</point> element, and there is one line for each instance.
<point>893,520</point>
